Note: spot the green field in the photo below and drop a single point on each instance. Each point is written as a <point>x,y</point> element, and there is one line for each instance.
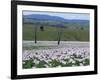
<point>51,33</point>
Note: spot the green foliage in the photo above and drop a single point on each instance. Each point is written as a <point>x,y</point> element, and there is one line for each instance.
<point>54,63</point>
<point>77,63</point>
<point>28,64</point>
<point>68,64</point>
<point>86,62</point>
<point>66,60</point>
<point>41,64</point>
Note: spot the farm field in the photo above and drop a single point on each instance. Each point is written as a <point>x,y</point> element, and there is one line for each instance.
<point>51,55</point>
<point>51,33</point>
<point>55,39</point>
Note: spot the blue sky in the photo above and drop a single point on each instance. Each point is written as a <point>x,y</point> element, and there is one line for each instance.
<point>81,16</point>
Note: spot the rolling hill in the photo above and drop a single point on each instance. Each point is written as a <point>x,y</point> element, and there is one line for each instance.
<point>40,17</point>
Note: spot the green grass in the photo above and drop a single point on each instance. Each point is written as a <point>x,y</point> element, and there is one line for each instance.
<point>51,33</point>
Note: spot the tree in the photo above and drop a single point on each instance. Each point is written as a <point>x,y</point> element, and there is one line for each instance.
<point>82,28</point>
<point>42,28</point>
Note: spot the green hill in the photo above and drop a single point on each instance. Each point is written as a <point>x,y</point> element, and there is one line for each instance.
<point>50,33</point>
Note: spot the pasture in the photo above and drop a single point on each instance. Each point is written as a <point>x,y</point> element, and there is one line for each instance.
<point>51,33</point>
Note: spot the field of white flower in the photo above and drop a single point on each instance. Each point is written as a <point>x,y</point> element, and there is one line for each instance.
<point>56,56</point>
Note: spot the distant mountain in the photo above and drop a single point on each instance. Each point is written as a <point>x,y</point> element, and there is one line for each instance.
<point>41,17</point>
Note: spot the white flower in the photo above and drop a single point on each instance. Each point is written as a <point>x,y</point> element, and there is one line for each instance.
<point>64,62</point>
<point>81,64</point>
<point>36,61</point>
<point>70,60</point>
<point>73,61</point>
